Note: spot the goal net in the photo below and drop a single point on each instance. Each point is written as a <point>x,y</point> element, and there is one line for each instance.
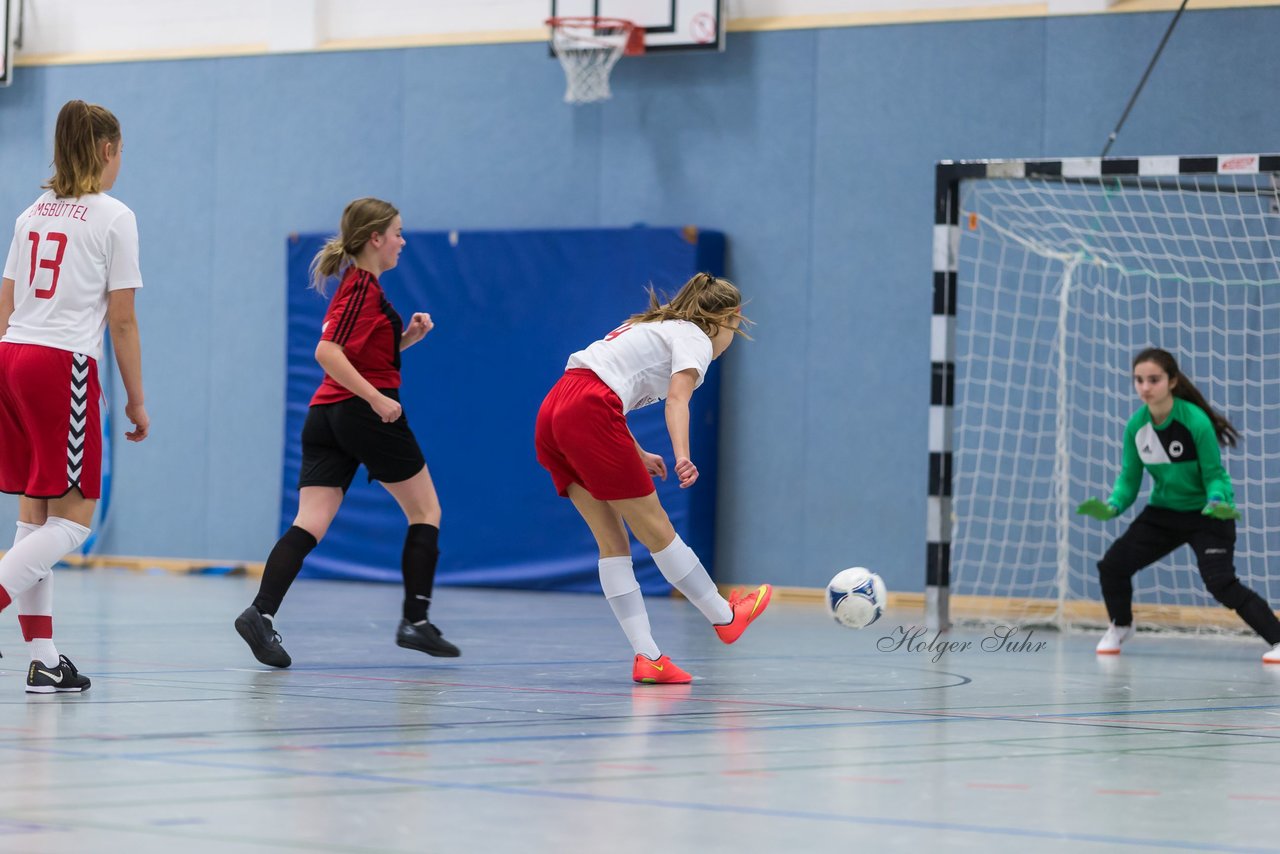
<point>1060,279</point>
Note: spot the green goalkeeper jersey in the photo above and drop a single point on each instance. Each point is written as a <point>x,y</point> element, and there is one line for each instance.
<point>1182,456</point>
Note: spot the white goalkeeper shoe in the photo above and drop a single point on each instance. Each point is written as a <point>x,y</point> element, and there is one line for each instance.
<point>1272,656</point>
<point>1116,635</point>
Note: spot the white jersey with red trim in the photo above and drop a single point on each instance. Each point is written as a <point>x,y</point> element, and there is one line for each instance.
<point>66,255</point>
<point>637,360</point>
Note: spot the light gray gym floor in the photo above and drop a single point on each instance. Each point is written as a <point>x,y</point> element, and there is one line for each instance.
<point>802,737</point>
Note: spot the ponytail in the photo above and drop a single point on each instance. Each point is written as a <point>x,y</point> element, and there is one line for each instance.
<point>77,148</point>
<point>361,219</point>
<point>1185,389</point>
<point>709,302</point>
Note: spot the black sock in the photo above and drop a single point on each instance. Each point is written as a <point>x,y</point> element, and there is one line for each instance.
<point>418,565</point>
<point>283,565</point>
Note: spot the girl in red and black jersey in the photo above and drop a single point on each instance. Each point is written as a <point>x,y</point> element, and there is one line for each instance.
<point>356,418</point>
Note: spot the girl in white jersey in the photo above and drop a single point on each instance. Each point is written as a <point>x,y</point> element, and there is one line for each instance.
<point>72,269</point>
<point>582,438</point>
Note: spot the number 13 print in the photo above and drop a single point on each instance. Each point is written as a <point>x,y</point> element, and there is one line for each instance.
<point>52,264</point>
<point>615,333</point>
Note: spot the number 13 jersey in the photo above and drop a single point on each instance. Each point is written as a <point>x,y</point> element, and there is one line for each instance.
<point>637,360</point>
<point>66,255</point>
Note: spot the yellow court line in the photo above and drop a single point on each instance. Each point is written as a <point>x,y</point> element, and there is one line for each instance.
<point>990,609</point>
<point>168,564</point>
<point>985,608</point>
<point>735,25</point>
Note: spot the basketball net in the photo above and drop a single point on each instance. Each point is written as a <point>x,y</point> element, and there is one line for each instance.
<point>588,48</point>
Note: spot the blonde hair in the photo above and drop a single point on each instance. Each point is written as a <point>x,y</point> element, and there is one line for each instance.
<point>707,301</point>
<point>361,220</point>
<point>77,148</point>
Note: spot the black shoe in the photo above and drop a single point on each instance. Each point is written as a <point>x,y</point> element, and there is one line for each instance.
<point>51,680</point>
<point>425,637</point>
<point>262,638</point>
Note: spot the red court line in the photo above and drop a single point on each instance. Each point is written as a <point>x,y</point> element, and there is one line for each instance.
<point>1253,797</point>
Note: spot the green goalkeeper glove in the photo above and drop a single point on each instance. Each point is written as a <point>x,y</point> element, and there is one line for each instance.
<point>1218,509</point>
<point>1100,510</point>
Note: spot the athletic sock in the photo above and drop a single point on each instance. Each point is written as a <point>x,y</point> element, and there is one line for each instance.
<point>622,592</point>
<point>681,567</point>
<point>283,565</point>
<point>418,569</point>
<point>35,610</point>
<point>33,558</point>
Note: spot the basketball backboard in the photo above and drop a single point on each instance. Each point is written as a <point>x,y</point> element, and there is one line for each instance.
<point>669,24</point>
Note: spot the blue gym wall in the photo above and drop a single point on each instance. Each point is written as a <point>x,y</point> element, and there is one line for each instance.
<point>812,150</point>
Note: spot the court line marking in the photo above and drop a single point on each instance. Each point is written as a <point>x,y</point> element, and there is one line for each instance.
<point>805,815</point>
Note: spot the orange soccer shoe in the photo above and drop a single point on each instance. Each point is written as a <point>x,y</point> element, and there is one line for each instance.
<point>664,670</point>
<point>745,609</point>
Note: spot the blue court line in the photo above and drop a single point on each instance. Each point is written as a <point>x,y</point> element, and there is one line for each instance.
<point>9,827</point>
<point>913,824</point>
<point>1119,713</point>
<point>437,665</point>
<point>915,718</point>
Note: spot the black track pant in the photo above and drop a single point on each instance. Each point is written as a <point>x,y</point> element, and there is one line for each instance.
<point>1158,531</point>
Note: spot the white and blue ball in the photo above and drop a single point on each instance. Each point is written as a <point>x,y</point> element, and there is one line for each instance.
<point>856,597</point>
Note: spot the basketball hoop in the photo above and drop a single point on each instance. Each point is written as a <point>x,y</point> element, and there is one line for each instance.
<point>588,48</point>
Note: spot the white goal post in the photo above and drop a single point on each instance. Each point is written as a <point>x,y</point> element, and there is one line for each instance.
<point>1048,277</point>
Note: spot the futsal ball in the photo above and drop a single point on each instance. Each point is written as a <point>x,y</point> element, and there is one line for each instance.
<point>856,597</point>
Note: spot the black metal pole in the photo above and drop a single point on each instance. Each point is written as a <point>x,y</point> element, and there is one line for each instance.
<point>1143,82</point>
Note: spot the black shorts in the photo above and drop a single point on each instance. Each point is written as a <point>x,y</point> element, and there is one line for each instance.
<point>338,437</point>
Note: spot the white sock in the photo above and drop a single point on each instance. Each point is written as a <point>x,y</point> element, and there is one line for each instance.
<point>36,601</point>
<point>24,528</point>
<point>33,558</point>
<point>681,567</point>
<point>622,592</point>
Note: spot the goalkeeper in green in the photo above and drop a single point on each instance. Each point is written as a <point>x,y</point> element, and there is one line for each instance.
<point>1175,436</point>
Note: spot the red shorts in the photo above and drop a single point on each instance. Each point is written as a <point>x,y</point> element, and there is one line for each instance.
<point>582,438</point>
<point>50,426</point>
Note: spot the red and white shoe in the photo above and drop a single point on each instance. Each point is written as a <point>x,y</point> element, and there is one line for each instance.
<point>1272,656</point>
<point>662,671</point>
<point>746,607</point>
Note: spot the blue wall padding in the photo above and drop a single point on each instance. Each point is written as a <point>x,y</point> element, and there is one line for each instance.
<point>509,308</point>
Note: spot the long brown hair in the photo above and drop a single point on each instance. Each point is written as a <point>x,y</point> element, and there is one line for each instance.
<point>77,148</point>
<point>1185,389</point>
<point>709,302</point>
<point>361,220</point>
